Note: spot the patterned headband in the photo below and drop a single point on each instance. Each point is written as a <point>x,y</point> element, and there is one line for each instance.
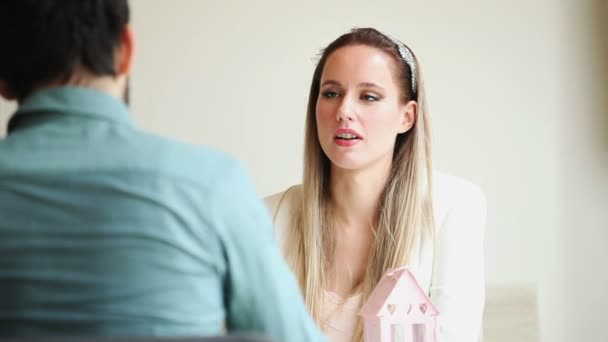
<point>407,55</point>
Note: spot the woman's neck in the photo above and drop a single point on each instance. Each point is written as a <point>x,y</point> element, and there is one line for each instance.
<point>355,197</point>
<point>356,194</point>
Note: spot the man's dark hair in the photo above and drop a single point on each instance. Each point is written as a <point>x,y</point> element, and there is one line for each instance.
<point>43,40</point>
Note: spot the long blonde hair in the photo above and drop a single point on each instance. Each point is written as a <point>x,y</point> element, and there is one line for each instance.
<point>405,209</point>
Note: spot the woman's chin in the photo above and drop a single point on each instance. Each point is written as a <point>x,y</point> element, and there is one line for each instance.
<point>347,163</point>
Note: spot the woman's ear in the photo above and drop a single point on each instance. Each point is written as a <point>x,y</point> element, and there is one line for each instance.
<point>5,91</point>
<point>409,114</point>
<point>124,52</point>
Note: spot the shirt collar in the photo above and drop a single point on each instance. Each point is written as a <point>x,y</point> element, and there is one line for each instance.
<point>73,101</point>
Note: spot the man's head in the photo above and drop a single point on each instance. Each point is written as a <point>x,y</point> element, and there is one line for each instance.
<point>49,43</point>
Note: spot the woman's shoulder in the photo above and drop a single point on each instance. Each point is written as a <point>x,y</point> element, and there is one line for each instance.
<point>283,201</point>
<point>281,206</point>
<point>450,186</point>
<point>456,195</point>
<point>452,196</point>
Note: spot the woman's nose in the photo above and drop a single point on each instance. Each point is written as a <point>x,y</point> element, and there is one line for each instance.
<point>345,110</point>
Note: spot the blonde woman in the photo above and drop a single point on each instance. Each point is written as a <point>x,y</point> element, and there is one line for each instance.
<point>370,200</point>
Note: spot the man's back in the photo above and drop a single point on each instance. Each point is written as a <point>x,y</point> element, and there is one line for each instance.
<point>106,230</point>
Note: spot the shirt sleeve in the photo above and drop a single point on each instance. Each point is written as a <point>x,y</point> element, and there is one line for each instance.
<point>261,293</point>
<point>458,278</point>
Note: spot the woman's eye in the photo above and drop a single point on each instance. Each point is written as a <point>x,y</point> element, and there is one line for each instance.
<point>370,98</point>
<point>329,94</point>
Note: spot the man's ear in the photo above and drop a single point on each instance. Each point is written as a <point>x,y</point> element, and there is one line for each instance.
<point>6,92</point>
<point>409,114</point>
<point>124,52</point>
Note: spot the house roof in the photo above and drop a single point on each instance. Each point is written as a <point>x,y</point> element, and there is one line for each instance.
<point>396,286</point>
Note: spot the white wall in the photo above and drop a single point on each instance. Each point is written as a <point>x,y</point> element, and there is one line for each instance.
<point>6,109</point>
<point>235,75</point>
<point>584,168</point>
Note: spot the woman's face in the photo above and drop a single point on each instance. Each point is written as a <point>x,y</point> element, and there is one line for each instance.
<point>359,110</point>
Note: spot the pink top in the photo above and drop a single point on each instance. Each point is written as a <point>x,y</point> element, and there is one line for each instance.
<point>339,316</point>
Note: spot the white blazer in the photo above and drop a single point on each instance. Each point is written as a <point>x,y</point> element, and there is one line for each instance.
<point>454,277</point>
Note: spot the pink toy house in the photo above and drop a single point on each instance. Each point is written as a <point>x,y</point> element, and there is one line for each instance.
<point>398,310</point>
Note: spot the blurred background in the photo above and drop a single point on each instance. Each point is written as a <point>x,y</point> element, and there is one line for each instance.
<point>518,94</point>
